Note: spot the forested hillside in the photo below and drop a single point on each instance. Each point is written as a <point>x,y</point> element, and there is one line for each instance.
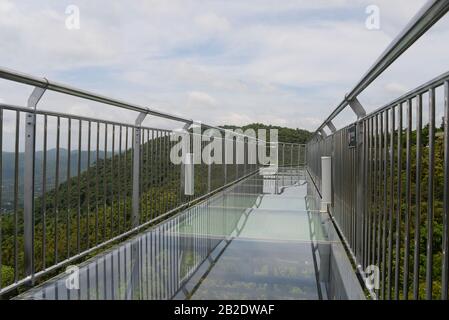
<point>284,134</point>
<point>96,205</point>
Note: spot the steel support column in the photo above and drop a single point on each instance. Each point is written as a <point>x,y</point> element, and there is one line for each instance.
<point>136,170</point>
<point>28,193</point>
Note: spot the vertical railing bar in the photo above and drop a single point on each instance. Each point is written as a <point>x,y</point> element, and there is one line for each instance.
<point>152,177</point>
<point>1,196</point>
<point>167,170</point>
<point>398,212</point>
<point>363,197</point>
<point>430,196</point>
<point>391,211</point>
<point>385,198</point>
<point>379,190</point>
<point>158,172</point>
<point>417,240</point>
<point>69,151</point>
<point>445,246</point>
<point>112,192</point>
<point>78,220</point>
<point>89,146</point>
<point>44,194</point>
<point>173,178</point>
<point>125,174</point>
<point>97,183</point>
<point>408,200</point>
<point>166,163</point>
<point>353,194</point>
<point>171,168</point>
<point>371,191</point>
<point>147,177</point>
<point>16,198</point>
<point>56,200</point>
<point>161,181</point>
<point>135,178</point>
<point>351,217</point>
<point>142,174</point>
<point>367,192</point>
<point>105,194</point>
<point>179,187</point>
<point>375,186</point>
<point>119,179</point>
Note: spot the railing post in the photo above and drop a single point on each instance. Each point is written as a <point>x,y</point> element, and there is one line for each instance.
<point>283,154</point>
<point>245,156</point>
<point>236,166</point>
<point>225,167</point>
<point>133,291</point>
<point>291,155</point>
<point>28,192</point>
<point>136,170</point>
<point>326,182</point>
<point>209,174</point>
<point>187,164</point>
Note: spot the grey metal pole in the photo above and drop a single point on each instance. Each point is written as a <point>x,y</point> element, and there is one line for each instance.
<point>291,155</point>
<point>225,167</point>
<point>28,195</point>
<point>209,174</point>
<point>136,170</point>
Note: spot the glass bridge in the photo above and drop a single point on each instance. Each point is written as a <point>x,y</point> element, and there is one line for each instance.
<point>226,230</point>
<point>262,238</point>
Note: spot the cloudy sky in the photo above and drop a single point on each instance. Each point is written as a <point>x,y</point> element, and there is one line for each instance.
<point>284,62</point>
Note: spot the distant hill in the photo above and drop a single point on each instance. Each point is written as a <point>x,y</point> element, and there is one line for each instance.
<point>284,134</point>
<point>96,206</point>
<point>8,172</point>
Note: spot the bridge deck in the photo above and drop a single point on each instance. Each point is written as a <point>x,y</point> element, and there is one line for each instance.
<point>260,239</point>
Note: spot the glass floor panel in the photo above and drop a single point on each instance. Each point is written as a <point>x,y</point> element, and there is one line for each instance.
<point>251,269</point>
<point>260,239</point>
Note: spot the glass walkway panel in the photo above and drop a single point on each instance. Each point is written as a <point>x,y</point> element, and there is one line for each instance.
<point>263,238</point>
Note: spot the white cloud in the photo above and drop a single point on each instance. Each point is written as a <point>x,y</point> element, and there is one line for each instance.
<point>286,63</point>
<point>396,88</point>
<point>212,23</point>
<point>200,99</point>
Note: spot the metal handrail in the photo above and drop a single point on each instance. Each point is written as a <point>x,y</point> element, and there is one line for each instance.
<point>429,14</point>
<point>31,80</point>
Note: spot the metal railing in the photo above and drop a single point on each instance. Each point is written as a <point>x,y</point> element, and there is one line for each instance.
<point>73,184</point>
<point>390,175</point>
<point>433,11</point>
<point>168,256</point>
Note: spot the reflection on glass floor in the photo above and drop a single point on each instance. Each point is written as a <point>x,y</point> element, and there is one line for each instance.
<point>260,239</point>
